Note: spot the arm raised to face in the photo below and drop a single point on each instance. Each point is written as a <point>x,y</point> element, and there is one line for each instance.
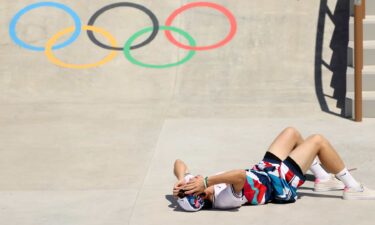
<point>179,169</point>
<point>235,177</point>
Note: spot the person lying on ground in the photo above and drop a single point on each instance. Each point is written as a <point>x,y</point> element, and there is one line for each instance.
<point>274,179</point>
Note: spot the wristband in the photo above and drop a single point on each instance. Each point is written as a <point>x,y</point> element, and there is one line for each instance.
<point>205,181</point>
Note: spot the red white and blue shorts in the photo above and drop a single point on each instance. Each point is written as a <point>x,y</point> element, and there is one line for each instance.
<point>285,177</point>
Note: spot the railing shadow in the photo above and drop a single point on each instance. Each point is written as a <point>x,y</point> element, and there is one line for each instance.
<point>338,63</point>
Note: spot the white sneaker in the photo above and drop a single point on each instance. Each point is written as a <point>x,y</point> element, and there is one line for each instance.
<point>363,194</point>
<point>332,184</point>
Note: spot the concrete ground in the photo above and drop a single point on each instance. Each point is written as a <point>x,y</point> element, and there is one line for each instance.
<point>96,146</point>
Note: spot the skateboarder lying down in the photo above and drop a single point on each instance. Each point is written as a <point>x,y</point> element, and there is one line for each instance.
<point>274,179</point>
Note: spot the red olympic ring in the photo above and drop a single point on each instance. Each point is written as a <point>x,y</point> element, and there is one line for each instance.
<point>220,8</point>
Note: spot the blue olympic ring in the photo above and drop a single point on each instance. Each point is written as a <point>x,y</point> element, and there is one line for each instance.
<point>13,24</point>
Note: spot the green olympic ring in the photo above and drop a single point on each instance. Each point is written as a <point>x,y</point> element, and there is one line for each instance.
<point>129,43</point>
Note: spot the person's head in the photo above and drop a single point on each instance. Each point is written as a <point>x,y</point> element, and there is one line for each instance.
<point>191,202</point>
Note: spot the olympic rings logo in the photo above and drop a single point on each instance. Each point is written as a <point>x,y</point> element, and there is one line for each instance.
<point>127,48</point>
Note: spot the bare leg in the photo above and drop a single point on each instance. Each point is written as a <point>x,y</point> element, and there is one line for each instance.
<point>317,145</point>
<point>285,142</point>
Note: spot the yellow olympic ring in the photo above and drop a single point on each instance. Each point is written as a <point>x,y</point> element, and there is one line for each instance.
<point>56,61</point>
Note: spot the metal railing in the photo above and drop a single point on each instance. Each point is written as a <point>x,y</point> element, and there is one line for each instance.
<point>359,15</point>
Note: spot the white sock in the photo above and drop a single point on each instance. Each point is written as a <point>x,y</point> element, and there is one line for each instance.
<point>348,179</point>
<point>318,171</point>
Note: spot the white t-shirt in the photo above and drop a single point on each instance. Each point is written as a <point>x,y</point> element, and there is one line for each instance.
<point>226,198</point>
<point>224,195</point>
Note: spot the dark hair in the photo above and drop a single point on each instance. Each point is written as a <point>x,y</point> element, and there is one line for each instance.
<point>207,204</point>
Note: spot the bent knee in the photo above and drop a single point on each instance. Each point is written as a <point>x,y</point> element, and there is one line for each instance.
<point>318,139</point>
<point>292,132</point>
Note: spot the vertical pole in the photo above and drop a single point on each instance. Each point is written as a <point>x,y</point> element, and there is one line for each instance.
<point>358,56</point>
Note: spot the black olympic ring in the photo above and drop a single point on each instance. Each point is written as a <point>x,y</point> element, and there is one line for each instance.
<point>155,24</point>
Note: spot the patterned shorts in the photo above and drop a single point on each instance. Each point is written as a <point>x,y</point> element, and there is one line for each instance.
<point>285,176</point>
